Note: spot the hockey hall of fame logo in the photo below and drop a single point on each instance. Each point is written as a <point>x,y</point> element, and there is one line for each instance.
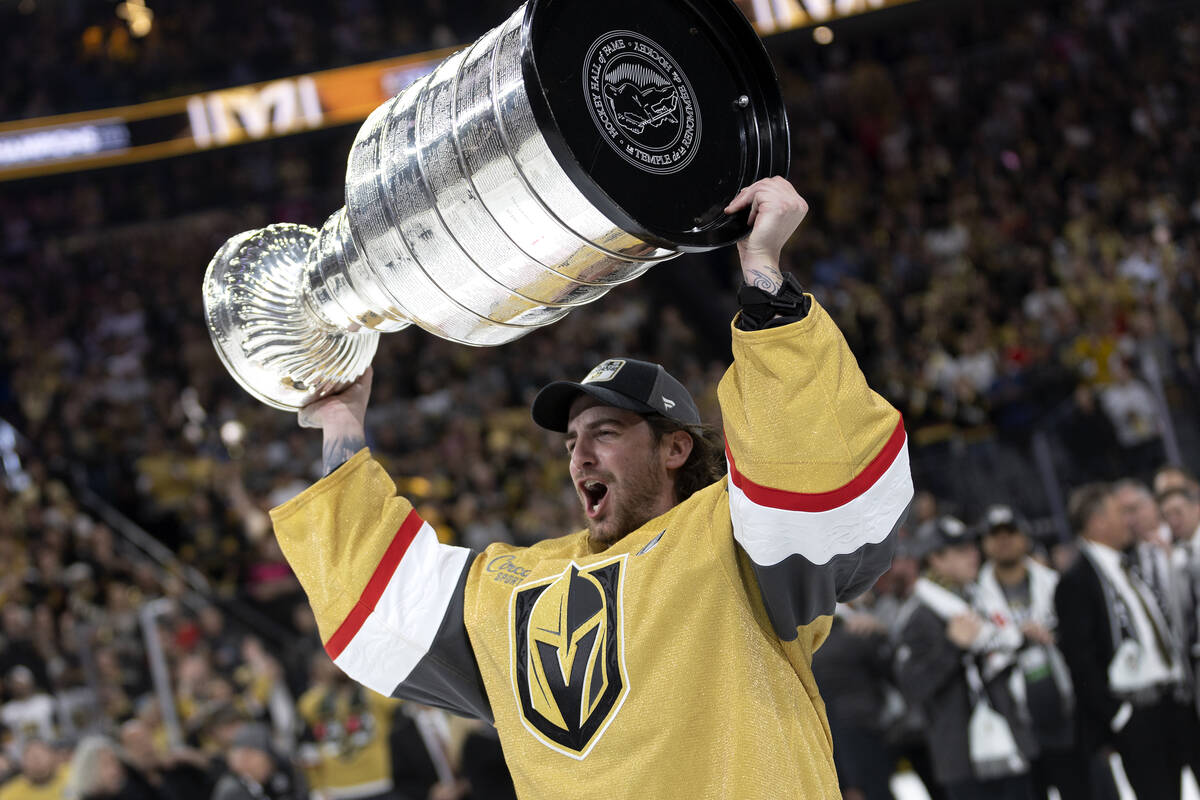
<point>642,102</point>
<point>568,661</point>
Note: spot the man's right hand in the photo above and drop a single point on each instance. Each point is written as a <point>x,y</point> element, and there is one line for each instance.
<point>349,406</point>
<point>340,417</point>
<point>963,629</point>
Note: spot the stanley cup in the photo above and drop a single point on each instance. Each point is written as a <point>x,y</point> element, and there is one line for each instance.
<point>566,151</point>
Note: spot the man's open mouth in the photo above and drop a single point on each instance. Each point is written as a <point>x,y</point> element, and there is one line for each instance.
<point>594,493</point>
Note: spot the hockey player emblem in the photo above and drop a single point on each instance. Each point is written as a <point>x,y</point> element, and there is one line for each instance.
<point>642,102</point>
<point>568,663</point>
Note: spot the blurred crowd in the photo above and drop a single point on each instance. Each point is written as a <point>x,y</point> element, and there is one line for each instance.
<point>1005,224</point>
<point>998,664</point>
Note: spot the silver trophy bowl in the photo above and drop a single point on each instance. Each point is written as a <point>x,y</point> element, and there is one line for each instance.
<point>563,153</point>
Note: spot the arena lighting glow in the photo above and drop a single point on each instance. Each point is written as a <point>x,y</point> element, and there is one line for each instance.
<point>823,34</point>
<point>137,15</point>
<point>772,16</point>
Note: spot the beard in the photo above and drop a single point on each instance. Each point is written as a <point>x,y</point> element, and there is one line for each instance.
<point>633,501</point>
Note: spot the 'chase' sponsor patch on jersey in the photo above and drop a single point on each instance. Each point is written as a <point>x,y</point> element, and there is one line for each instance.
<point>605,371</point>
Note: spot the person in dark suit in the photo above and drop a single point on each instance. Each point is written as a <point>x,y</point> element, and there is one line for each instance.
<point>1117,645</point>
<point>956,666</point>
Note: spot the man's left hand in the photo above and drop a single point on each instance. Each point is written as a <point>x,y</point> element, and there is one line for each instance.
<point>776,210</point>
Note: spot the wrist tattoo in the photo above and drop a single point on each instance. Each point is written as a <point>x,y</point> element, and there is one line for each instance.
<point>768,280</point>
<point>337,450</point>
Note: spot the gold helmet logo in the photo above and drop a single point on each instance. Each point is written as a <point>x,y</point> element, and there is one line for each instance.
<point>568,666</point>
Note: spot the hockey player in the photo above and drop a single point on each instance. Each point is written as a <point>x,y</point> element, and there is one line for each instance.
<point>664,651</point>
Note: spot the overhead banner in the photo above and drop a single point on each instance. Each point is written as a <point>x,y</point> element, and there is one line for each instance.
<point>181,125</point>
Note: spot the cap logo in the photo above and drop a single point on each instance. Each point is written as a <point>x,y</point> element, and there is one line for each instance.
<point>605,371</point>
<point>667,403</point>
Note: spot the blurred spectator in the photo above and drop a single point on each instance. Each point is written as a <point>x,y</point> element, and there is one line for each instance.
<point>1088,434</point>
<point>955,665</point>
<point>1014,590</point>
<point>181,774</point>
<point>225,645</point>
<point>853,669</point>
<point>28,714</point>
<point>270,581</point>
<point>1152,539</point>
<point>42,776</point>
<point>1171,477</point>
<point>1118,646</point>
<point>1141,513</point>
<point>265,694</point>
<point>482,764</point>
<point>1181,510</point>
<point>18,646</point>
<point>904,723</point>
<point>257,771</point>
<point>301,649</point>
<point>1134,413</point>
<point>98,772</point>
<point>345,749</point>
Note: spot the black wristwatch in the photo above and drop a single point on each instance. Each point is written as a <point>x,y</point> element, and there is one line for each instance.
<point>764,310</point>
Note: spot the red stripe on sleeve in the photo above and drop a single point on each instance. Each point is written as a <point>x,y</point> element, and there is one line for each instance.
<point>375,586</point>
<point>820,501</point>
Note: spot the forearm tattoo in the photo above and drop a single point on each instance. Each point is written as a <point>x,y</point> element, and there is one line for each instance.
<point>338,449</point>
<point>767,279</point>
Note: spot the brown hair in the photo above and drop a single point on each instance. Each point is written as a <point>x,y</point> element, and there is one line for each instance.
<point>1177,491</point>
<point>705,464</point>
<point>1084,503</point>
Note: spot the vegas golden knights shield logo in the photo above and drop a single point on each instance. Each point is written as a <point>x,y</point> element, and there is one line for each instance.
<point>568,655</point>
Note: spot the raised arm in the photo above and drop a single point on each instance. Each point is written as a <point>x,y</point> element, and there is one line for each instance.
<point>775,210</point>
<point>388,597</point>
<point>341,418</point>
<point>818,464</point>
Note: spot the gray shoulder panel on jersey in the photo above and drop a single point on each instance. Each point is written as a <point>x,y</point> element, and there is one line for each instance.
<point>448,676</point>
<point>797,591</point>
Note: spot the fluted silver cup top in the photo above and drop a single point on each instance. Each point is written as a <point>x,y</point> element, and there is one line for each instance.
<point>266,333</point>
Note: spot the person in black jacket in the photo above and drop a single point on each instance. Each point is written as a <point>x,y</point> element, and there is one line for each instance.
<point>955,666</point>
<point>1127,673</point>
<point>256,771</point>
<point>853,669</point>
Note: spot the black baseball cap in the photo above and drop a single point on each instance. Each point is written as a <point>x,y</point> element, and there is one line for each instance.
<point>626,383</point>
<point>253,736</point>
<point>937,534</point>
<point>1001,517</point>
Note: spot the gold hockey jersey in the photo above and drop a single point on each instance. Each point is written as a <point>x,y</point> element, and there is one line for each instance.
<point>675,663</point>
<point>346,753</point>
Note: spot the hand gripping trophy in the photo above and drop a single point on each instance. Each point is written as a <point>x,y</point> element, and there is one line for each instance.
<point>564,152</point>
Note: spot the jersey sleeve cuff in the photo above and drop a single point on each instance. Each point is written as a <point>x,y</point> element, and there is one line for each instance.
<point>321,487</point>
